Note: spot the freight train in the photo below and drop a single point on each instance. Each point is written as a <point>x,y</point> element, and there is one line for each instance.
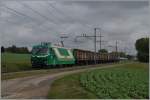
<point>46,54</point>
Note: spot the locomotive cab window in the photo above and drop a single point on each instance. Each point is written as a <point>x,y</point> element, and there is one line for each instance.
<point>39,51</point>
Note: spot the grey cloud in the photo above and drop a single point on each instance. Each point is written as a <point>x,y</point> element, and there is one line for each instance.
<point>118,20</point>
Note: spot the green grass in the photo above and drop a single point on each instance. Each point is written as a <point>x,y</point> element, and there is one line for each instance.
<point>125,81</point>
<point>69,87</point>
<point>12,75</point>
<point>6,76</point>
<point>11,62</point>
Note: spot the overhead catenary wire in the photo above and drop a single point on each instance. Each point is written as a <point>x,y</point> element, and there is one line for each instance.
<point>54,15</point>
<point>18,12</point>
<point>58,10</point>
<point>22,14</point>
<point>43,16</point>
<point>17,24</point>
<point>61,12</point>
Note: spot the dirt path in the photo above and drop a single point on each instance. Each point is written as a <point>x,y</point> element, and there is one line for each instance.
<point>34,87</point>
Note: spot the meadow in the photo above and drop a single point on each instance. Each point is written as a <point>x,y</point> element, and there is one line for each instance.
<point>11,62</point>
<point>123,82</point>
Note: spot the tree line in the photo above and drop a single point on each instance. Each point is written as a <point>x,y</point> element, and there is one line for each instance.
<point>14,49</point>
<point>142,47</point>
<point>121,54</point>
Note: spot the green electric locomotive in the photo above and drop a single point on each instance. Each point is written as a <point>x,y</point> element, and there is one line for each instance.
<point>48,54</point>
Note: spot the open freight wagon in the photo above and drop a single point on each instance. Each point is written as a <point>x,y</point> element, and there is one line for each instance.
<point>89,57</point>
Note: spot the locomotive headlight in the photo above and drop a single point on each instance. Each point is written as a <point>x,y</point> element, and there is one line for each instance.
<point>43,56</point>
<point>45,61</point>
<point>33,56</point>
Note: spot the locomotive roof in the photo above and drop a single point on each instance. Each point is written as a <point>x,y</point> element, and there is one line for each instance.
<point>60,47</point>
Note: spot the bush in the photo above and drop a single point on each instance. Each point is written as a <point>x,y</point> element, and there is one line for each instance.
<point>142,57</point>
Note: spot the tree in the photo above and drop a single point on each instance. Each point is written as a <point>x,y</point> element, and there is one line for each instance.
<point>13,49</point>
<point>2,49</point>
<point>103,51</point>
<point>120,54</point>
<point>130,57</point>
<point>142,47</point>
<point>23,50</point>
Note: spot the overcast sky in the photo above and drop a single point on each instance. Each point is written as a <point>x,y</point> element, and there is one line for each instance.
<point>26,23</point>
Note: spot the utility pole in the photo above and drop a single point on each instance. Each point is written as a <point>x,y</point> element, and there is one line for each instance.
<point>116,46</point>
<point>94,36</point>
<point>95,44</point>
<point>95,40</point>
<point>117,49</point>
<point>100,41</point>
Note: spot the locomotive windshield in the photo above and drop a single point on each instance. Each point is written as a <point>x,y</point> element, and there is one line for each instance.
<point>37,51</point>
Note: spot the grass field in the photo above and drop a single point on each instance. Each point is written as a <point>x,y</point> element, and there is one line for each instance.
<point>126,81</point>
<point>11,62</point>
<point>12,75</point>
